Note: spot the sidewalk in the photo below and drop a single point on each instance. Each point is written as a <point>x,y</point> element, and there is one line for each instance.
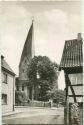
<point>10,113</point>
<point>20,109</point>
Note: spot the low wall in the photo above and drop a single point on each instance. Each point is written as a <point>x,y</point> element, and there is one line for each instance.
<point>35,104</point>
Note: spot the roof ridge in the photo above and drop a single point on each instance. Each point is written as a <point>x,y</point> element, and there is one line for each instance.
<point>6,66</point>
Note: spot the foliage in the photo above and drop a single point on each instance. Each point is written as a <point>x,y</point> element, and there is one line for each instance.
<point>32,70</point>
<point>58,96</point>
<point>47,75</point>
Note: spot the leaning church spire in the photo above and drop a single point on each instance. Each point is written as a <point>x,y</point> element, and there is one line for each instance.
<point>28,51</point>
<point>33,45</point>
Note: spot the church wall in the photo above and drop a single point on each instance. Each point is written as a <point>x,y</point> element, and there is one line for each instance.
<point>23,69</point>
<point>27,55</point>
<point>26,91</point>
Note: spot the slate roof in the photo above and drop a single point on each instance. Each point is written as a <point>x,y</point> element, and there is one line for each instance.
<point>72,54</point>
<point>5,65</point>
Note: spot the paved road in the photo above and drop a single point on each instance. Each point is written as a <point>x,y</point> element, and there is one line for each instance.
<point>36,116</point>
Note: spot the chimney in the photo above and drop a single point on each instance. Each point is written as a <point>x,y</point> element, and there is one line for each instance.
<point>79,37</point>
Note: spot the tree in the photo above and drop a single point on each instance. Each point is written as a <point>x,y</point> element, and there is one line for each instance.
<point>42,66</point>
<point>59,96</point>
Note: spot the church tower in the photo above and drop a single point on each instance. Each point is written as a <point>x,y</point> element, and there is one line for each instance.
<point>27,54</point>
<point>22,82</point>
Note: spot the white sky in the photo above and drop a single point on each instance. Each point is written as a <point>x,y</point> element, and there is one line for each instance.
<point>54,23</point>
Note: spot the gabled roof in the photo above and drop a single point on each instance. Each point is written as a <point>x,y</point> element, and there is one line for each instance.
<point>72,54</point>
<point>5,65</point>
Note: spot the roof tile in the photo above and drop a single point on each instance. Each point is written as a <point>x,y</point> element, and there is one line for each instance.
<point>72,54</point>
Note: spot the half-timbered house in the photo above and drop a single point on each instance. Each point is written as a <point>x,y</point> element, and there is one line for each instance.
<point>72,64</point>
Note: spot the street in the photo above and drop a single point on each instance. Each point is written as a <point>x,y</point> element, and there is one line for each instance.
<point>36,116</point>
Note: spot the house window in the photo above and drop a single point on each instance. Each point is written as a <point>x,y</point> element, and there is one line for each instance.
<point>76,78</point>
<point>4,99</point>
<point>80,78</point>
<point>73,79</point>
<point>22,87</point>
<point>5,78</point>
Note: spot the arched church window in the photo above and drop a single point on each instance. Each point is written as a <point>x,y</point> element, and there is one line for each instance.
<point>25,61</point>
<point>22,87</point>
<point>23,70</point>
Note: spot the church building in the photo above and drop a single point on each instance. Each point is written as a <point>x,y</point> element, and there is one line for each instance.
<point>23,87</point>
<point>26,56</point>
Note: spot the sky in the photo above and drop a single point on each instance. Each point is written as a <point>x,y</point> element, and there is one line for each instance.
<point>54,22</point>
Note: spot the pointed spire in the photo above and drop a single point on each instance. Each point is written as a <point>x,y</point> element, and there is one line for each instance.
<point>33,46</point>
<point>28,49</point>
<point>32,19</point>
